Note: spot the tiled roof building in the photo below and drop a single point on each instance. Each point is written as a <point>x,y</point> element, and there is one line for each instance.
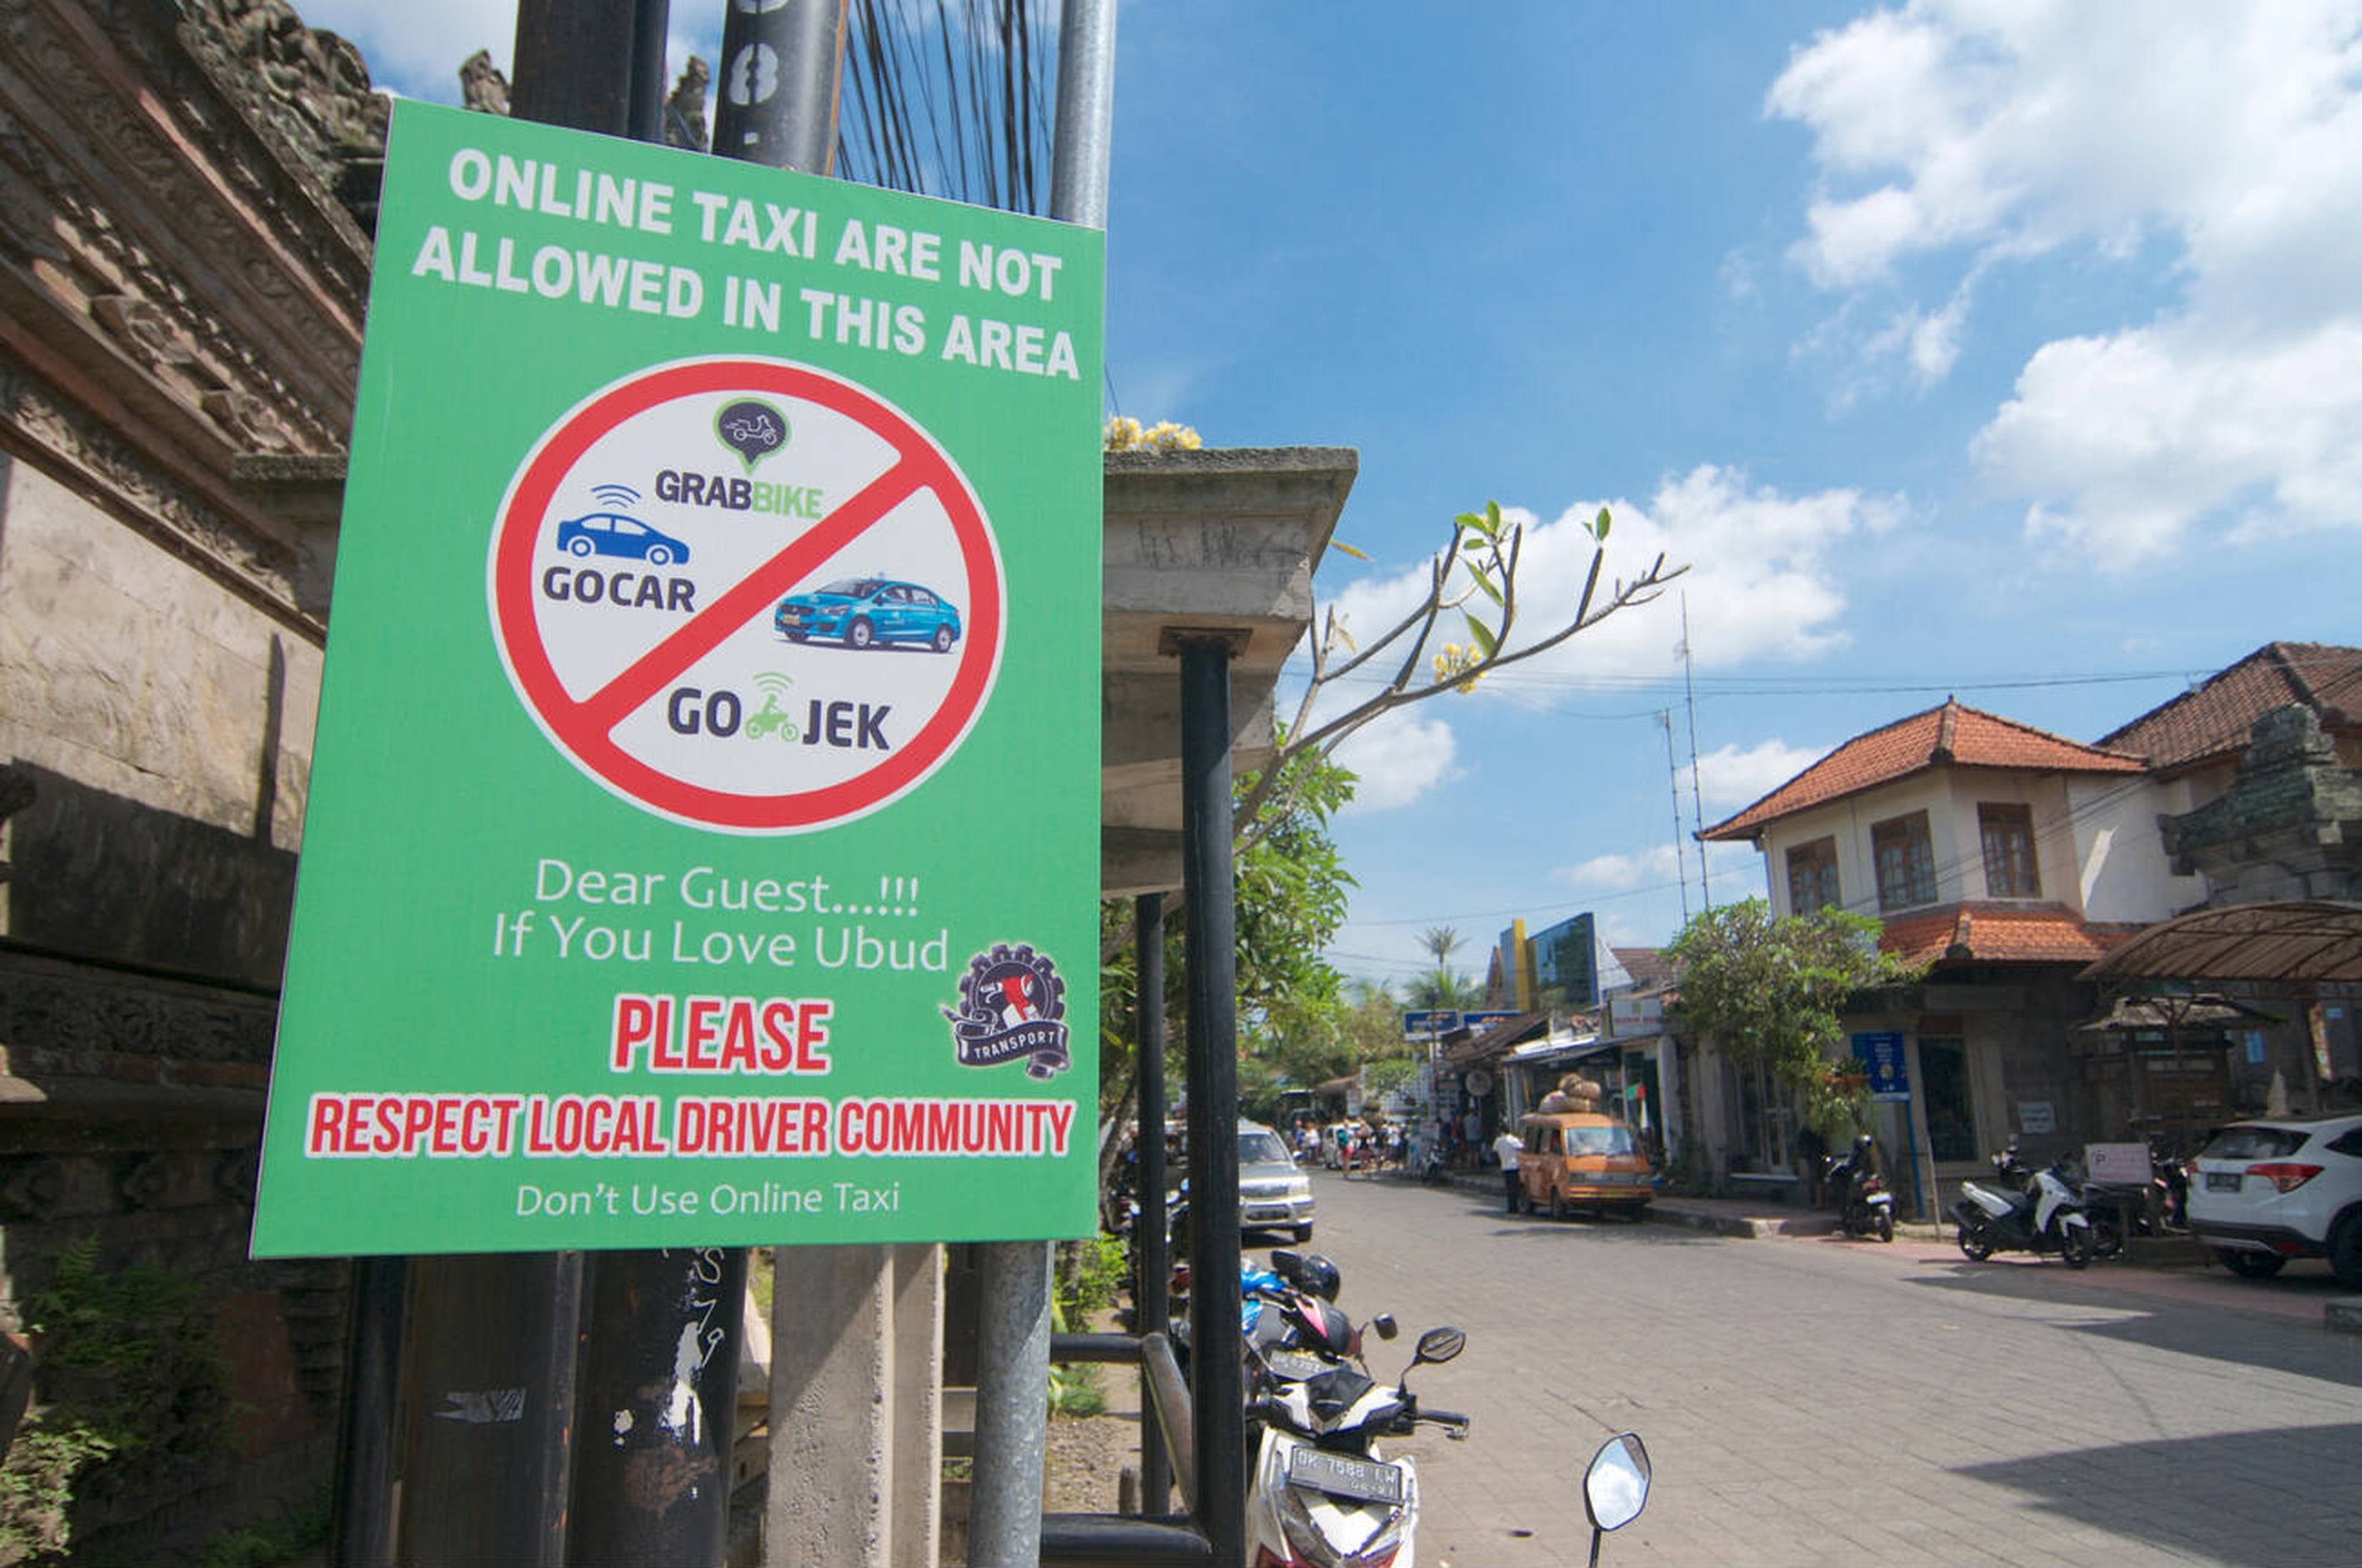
<point>2212,721</point>
<point>1952,734</point>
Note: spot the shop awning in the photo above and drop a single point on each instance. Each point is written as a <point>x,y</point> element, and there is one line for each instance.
<point>1567,1051</point>
<point>1497,1041</point>
<point>2297,942</point>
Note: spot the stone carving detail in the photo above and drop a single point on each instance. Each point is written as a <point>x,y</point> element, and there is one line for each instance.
<point>235,1173</point>
<point>156,313</point>
<point>258,568</point>
<point>30,1188</point>
<point>481,86</point>
<point>306,86</point>
<point>248,421</point>
<point>146,328</point>
<point>146,1180</point>
<point>684,118</point>
<point>182,70</point>
<point>56,1008</point>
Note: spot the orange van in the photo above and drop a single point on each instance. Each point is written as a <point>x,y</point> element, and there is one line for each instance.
<point>1580,1159</point>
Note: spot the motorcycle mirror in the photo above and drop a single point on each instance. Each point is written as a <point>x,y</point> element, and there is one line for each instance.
<point>1288,1266</point>
<point>1386,1325</point>
<point>1439,1345</point>
<point>1616,1487</point>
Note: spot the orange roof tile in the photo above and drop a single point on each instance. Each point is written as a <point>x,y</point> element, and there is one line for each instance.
<point>1982,933</point>
<point>2212,719</point>
<point>1960,737</point>
<point>1649,967</point>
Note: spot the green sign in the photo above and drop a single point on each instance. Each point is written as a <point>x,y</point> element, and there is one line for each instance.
<point>703,842</point>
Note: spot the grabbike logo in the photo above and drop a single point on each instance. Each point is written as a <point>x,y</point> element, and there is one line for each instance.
<point>714,651</point>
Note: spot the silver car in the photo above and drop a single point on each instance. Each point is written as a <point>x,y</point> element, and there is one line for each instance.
<point>1272,1194</point>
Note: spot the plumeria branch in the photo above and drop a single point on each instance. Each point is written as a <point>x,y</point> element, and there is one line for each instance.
<point>1475,574</point>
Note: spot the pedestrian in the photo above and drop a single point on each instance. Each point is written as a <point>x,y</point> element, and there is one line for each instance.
<point>1813,1164</point>
<point>1506,1149</point>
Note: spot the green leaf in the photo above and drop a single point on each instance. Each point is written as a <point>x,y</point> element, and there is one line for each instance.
<point>1484,581</point>
<point>1481,633</point>
<point>1468,520</point>
<point>1492,516</point>
<point>1599,527</point>
<point>1341,544</point>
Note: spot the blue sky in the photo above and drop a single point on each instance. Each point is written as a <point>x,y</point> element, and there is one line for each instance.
<point>2013,351</point>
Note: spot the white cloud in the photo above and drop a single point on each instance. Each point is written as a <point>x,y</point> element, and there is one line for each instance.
<point>1763,582</point>
<point>1964,135</point>
<point>1623,873</point>
<point>2128,439</point>
<point>1656,868</point>
<point>1731,776</point>
<point>1397,758</point>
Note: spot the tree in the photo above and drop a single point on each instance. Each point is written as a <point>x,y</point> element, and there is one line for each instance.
<point>1770,992</point>
<point>1291,893</point>
<point>1441,988</point>
<point>1476,574</point>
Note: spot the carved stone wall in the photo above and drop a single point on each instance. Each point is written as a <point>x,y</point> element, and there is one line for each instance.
<point>2289,827</point>
<point>180,296</point>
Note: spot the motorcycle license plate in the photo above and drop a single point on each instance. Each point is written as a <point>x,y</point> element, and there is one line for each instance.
<point>2223,1181</point>
<point>1343,1475</point>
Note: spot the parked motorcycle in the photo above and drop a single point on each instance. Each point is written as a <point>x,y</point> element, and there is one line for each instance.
<point>2038,1211</point>
<point>1859,1193</point>
<point>1322,1493</point>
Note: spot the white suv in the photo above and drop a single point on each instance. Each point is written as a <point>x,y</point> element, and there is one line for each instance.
<point>2262,1192</point>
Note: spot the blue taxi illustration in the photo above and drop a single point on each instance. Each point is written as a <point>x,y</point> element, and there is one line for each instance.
<point>612,533</point>
<point>864,612</point>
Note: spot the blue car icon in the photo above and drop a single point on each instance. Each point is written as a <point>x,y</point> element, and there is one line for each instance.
<point>864,612</point>
<point>612,533</point>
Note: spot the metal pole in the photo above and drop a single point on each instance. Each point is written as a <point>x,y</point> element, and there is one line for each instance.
<point>575,63</point>
<point>659,1401</point>
<point>1013,1338</point>
<point>362,1533</point>
<point>1085,125</point>
<point>782,66</point>
<point>1217,1373</point>
<point>493,1378</point>
<point>660,1346</point>
<point>1011,1406</point>
<point>644,116</point>
<point>1149,1234</point>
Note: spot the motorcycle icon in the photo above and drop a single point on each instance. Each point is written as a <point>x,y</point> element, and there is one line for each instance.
<point>771,719</point>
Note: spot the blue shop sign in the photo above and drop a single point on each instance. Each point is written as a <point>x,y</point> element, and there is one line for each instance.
<point>1882,1062</point>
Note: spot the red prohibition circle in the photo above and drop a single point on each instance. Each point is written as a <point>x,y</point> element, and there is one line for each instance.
<point>583,728</point>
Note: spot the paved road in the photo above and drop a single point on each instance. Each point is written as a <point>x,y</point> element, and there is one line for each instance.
<point>1819,1401</point>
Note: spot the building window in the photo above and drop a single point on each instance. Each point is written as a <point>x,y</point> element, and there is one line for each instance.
<point>1812,877</point>
<point>1951,1117</point>
<point>1905,857</point>
<point>2008,835</point>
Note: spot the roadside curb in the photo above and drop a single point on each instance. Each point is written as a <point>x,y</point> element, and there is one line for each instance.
<point>1662,1212</point>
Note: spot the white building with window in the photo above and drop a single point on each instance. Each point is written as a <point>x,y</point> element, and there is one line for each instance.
<point>2005,857</point>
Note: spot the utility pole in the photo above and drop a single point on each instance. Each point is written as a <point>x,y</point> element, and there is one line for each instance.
<point>1673,784</point>
<point>551,1334</point>
<point>1697,801</point>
